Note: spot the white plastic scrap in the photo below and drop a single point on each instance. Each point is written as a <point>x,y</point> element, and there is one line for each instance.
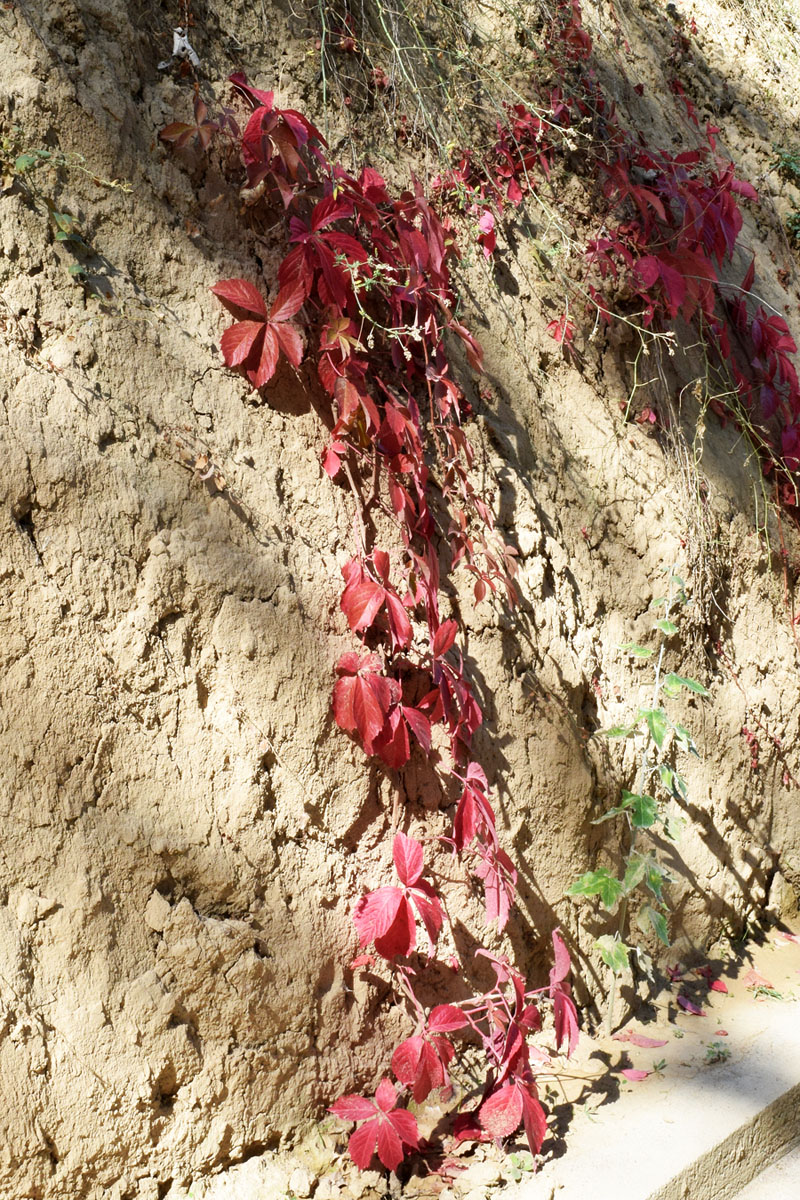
<point>181,49</point>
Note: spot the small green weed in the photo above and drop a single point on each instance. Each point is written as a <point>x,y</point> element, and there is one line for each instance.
<point>717,1052</point>
<point>28,168</point>
<point>661,739</point>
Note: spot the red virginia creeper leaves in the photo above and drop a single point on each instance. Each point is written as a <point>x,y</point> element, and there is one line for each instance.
<point>386,916</point>
<point>389,1130</point>
<point>361,697</point>
<point>504,1110</point>
<point>565,1013</point>
<point>421,1063</point>
<point>256,345</point>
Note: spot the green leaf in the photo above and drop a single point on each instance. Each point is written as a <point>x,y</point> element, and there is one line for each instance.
<point>673,782</point>
<point>644,809</point>
<point>612,812</point>
<point>679,681</point>
<point>657,724</point>
<point>64,221</point>
<point>634,873</point>
<point>613,952</point>
<point>24,162</point>
<point>666,626</point>
<point>674,827</point>
<point>654,878</point>
<point>636,650</point>
<point>658,601</point>
<point>76,270</point>
<point>598,883</point>
<point>685,739</point>
<point>617,731</point>
<point>658,922</point>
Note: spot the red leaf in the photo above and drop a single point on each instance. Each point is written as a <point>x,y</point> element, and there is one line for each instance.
<point>404,1124</point>
<point>361,697</point>
<point>499,880</point>
<point>362,598</point>
<point>386,1095</point>
<point>467,1129</point>
<point>375,913</point>
<point>429,908</point>
<point>408,858</point>
<point>419,725</point>
<point>288,301</point>
<point>241,294</point>
<point>501,1114</point>
<point>742,188</point>
<point>566,1020</point>
<point>238,340</point>
<point>269,360</point>
<point>405,1060</point>
<point>690,1007</point>
<point>754,979</point>
<point>392,743</point>
<point>290,343</point>
<point>401,936</point>
<point>362,960</point>
<point>674,286</point>
<point>254,95</point>
<point>648,270</point>
<point>444,1018</point>
<point>332,458</point>
<point>562,330</point>
<point>634,1074</point>
<point>533,1117</point>
<point>390,1149</point>
<point>563,963</point>
<point>639,1039</point>
<point>719,985</point>
<point>353,1108</point>
<point>419,1063</point>
<point>399,624</point>
<point>444,638</point>
<point>362,1142</point>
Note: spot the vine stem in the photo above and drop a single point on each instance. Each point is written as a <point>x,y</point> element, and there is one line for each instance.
<point>644,771</point>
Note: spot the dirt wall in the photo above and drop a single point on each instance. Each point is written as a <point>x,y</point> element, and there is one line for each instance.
<point>185,828</point>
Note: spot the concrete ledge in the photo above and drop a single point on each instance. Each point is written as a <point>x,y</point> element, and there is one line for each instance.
<point>694,1130</point>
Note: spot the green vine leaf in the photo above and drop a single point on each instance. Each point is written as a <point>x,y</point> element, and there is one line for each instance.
<point>634,873</point>
<point>657,922</point>
<point>674,827</point>
<point>673,782</point>
<point>24,162</point>
<point>679,681</point>
<point>636,650</point>
<point>657,723</point>
<point>617,731</point>
<point>598,883</point>
<point>666,626</point>
<point>685,739</point>
<point>613,952</point>
<point>654,877</point>
<point>644,809</point>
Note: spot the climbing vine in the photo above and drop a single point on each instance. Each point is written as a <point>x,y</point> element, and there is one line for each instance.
<point>365,296</point>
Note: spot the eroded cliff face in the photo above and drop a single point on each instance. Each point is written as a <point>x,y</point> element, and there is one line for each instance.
<point>185,828</point>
